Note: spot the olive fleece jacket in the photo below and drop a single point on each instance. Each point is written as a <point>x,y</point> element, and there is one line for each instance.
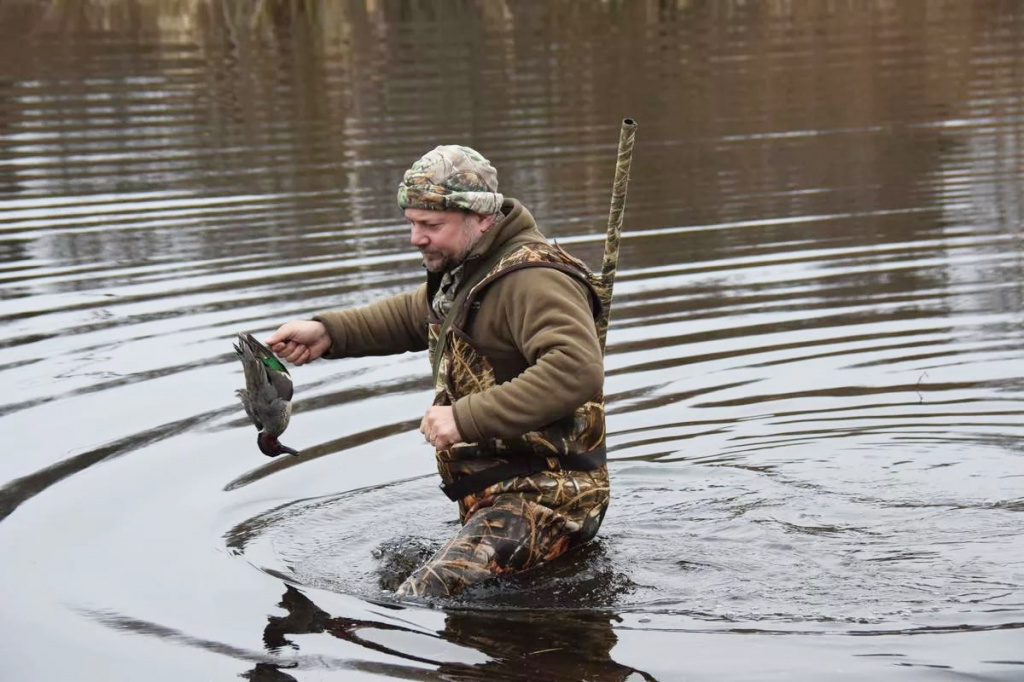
<point>535,326</point>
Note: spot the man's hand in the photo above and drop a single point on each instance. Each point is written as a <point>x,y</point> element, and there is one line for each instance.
<point>300,341</point>
<point>438,426</point>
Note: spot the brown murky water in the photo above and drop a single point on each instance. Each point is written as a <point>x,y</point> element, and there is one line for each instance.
<point>815,368</point>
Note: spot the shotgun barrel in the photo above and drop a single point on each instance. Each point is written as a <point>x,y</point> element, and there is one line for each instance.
<point>627,135</point>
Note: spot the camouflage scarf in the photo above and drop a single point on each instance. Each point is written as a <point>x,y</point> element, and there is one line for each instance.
<point>445,295</point>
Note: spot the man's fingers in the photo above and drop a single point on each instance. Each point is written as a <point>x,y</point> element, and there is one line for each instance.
<point>281,335</point>
<point>291,352</point>
<point>439,428</point>
<point>300,341</point>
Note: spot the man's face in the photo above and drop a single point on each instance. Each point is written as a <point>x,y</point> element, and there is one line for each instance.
<point>445,237</point>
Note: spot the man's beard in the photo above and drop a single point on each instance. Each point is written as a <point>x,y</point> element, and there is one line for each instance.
<point>446,263</point>
<point>450,262</point>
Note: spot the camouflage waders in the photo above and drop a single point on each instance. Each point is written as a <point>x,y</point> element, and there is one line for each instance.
<point>525,500</point>
<point>513,526</point>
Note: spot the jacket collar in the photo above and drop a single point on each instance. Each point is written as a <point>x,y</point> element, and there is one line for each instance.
<point>516,224</point>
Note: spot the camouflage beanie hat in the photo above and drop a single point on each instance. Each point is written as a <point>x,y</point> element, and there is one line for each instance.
<point>451,177</point>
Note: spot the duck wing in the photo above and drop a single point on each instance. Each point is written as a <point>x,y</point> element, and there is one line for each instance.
<point>268,386</point>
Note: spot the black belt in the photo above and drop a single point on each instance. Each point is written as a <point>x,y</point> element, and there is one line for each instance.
<point>522,465</point>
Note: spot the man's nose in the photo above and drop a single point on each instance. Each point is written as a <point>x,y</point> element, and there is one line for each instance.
<point>418,237</point>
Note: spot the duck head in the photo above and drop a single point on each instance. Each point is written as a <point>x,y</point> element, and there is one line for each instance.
<point>271,447</point>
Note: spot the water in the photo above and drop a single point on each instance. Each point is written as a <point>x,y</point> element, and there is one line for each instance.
<point>815,368</point>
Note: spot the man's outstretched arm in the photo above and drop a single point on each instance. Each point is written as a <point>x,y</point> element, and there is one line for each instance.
<point>392,325</point>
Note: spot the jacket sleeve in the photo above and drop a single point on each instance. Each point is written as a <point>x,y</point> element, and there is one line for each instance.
<point>386,327</point>
<point>548,318</point>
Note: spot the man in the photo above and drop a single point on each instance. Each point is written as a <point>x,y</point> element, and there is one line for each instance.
<point>509,322</point>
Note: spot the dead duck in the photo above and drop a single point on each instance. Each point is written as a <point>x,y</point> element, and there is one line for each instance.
<point>267,394</point>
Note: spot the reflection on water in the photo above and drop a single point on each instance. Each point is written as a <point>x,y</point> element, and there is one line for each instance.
<point>815,373</point>
<point>577,645</point>
<point>473,645</point>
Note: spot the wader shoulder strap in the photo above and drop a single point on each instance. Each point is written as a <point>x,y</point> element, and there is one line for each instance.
<point>460,297</point>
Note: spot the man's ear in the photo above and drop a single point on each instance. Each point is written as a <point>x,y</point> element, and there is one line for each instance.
<point>487,221</point>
